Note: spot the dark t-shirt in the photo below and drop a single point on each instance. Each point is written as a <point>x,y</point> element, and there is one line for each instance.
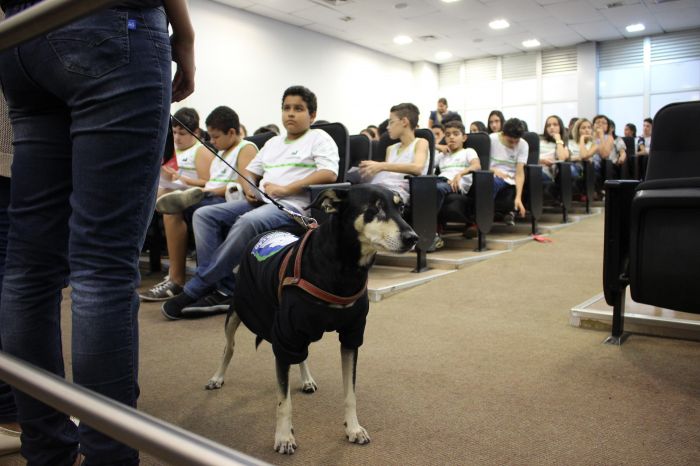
<point>5,4</point>
<point>302,319</point>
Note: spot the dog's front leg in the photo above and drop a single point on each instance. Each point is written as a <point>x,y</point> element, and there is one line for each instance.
<point>284,433</point>
<point>353,430</point>
<point>308,384</point>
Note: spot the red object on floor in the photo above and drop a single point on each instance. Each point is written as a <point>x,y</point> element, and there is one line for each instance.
<point>541,239</point>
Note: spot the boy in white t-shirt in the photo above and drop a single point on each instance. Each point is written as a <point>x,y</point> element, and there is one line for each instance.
<point>178,207</point>
<point>283,168</point>
<point>406,157</point>
<point>508,158</point>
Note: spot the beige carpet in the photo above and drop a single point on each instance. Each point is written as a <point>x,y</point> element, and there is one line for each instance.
<point>479,367</point>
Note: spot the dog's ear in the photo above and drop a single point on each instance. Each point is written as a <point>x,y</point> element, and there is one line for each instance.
<point>329,200</point>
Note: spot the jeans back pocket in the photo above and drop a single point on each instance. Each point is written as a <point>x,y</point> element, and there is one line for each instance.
<point>93,46</point>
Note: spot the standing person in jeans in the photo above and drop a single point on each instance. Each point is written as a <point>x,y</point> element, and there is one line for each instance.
<point>9,429</point>
<point>89,104</point>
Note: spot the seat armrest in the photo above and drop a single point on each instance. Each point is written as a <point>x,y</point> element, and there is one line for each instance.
<point>482,185</point>
<point>423,204</point>
<point>533,186</point>
<point>616,239</point>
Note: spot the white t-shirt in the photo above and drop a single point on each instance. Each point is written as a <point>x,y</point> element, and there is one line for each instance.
<point>452,163</point>
<point>283,162</point>
<point>396,181</point>
<point>506,159</point>
<point>221,174</point>
<point>618,145</point>
<point>186,160</point>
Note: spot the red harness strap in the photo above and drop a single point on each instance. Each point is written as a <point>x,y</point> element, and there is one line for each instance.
<point>310,288</point>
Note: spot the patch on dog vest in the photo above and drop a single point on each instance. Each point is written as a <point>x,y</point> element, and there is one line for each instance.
<point>271,244</point>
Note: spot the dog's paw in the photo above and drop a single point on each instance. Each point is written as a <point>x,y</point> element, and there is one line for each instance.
<point>357,435</point>
<point>285,443</point>
<point>214,383</point>
<point>309,386</point>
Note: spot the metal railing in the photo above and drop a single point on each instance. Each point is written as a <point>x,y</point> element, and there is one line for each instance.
<point>125,424</point>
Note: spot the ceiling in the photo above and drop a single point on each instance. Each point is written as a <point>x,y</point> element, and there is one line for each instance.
<point>462,27</point>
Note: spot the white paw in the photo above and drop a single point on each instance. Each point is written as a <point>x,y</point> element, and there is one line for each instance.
<point>285,443</point>
<point>357,435</point>
<point>215,383</point>
<point>309,386</point>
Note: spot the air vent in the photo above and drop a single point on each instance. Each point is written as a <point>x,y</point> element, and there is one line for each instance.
<point>427,38</point>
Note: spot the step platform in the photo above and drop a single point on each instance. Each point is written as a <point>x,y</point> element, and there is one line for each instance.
<point>639,318</point>
<point>385,281</point>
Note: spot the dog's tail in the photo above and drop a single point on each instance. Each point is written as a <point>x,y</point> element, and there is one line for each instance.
<point>258,340</point>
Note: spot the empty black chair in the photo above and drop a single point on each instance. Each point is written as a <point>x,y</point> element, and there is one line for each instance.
<point>340,135</point>
<point>360,149</point>
<point>651,228</point>
<point>260,139</point>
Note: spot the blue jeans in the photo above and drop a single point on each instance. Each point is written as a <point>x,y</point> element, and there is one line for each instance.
<point>89,105</point>
<point>8,408</point>
<point>443,189</point>
<point>222,232</point>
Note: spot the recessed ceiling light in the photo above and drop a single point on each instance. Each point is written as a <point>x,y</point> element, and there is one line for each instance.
<point>402,40</point>
<point>635,27</point>
<point>449,1</point>
<point>443,55</point>
<point>531,43</point>
<point>499,24</point>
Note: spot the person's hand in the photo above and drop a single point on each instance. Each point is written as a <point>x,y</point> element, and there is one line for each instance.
<point>183,55</point>
<point>584,139</point>
<point>369,168</point>
<point>455,182</point>
<point>519,207</point>
<point>546,162</point>
<point>621,159</point>
<point>500,174</point>
<point>276,191</point>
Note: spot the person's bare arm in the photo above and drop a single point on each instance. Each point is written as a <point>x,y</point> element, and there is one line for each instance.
<point>245,156</point>
<point>182,43</point>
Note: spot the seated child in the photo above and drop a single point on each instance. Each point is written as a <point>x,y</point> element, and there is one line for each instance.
<point>409,156</point>
<point>179,206</point>
<point>508,158</point>
<point>282,169</point>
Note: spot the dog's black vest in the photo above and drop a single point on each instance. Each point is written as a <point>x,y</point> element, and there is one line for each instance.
<point>300,319</point>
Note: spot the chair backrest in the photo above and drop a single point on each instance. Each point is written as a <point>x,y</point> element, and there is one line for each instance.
<point>674,153</point>
<point>424,133</point>
<point>340,135</point>
<point>533,141</point>
<point>481,143</point>
<point>260,139</point>
<point>360,149</point>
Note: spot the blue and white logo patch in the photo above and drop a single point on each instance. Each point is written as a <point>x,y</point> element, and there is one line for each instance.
<point>271,244</point>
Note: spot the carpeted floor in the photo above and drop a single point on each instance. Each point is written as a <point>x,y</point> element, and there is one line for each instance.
<point>479,367</point>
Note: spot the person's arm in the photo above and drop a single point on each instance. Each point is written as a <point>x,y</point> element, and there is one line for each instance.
<point>562,152</point>
<point>474,165</point>
<point>606,145</point>
<point>182,44</point>
<point>584,152</point>
<point>245,156</point>
<point>322,176</point>
<point>519,183</point>
<point>202,163</point>
<point>369,168</point>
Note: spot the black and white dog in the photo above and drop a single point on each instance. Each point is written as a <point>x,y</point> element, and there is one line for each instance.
<point>290,291</point>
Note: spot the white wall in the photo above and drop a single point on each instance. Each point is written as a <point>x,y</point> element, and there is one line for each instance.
<point>246,61</point>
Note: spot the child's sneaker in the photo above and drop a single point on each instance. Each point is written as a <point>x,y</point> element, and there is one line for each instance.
<point>172,308</point>
<point>437,243</point>
<point>509,219</point>
<point>162,291</point>
<point>177,201</point>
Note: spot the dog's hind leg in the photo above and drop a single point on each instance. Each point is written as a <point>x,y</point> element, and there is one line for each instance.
<point>353,430</point>
<point>284,432</point>
<point>232,323</point>
<point>308,384</point>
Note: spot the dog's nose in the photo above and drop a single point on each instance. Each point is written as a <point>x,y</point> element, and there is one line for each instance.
<point>409,238</point>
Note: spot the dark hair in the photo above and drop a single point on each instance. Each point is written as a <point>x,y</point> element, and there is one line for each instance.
<point>451,116</point>
<point>599,117</point>
<point>188,117</point>
<point>562,133</point>
<point>455,124</point>
<point>479,125</point>
<point>442,127</point>
<point>442,100</point>
<point>612,128</point>
<point>649,120</point>
<point>321,122</point>
<point>409,111</point>
<point>373,130</point>
<point>513,128</point>
<point>274,128</point>
<point>572,123</point>
<point>223,118</point>
<point>382,127</point>
<point>632,128</point>
<point>305,94</point>
<point>499,114</point>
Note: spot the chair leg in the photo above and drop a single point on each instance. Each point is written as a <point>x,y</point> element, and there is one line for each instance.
<point>564,214</point>
<point>421,261</point>
<point>534,225</point>
<point>480,242</point>
<point>618,336</point>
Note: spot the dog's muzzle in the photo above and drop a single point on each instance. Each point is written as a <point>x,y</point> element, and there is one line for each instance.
<point>409,238</point>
